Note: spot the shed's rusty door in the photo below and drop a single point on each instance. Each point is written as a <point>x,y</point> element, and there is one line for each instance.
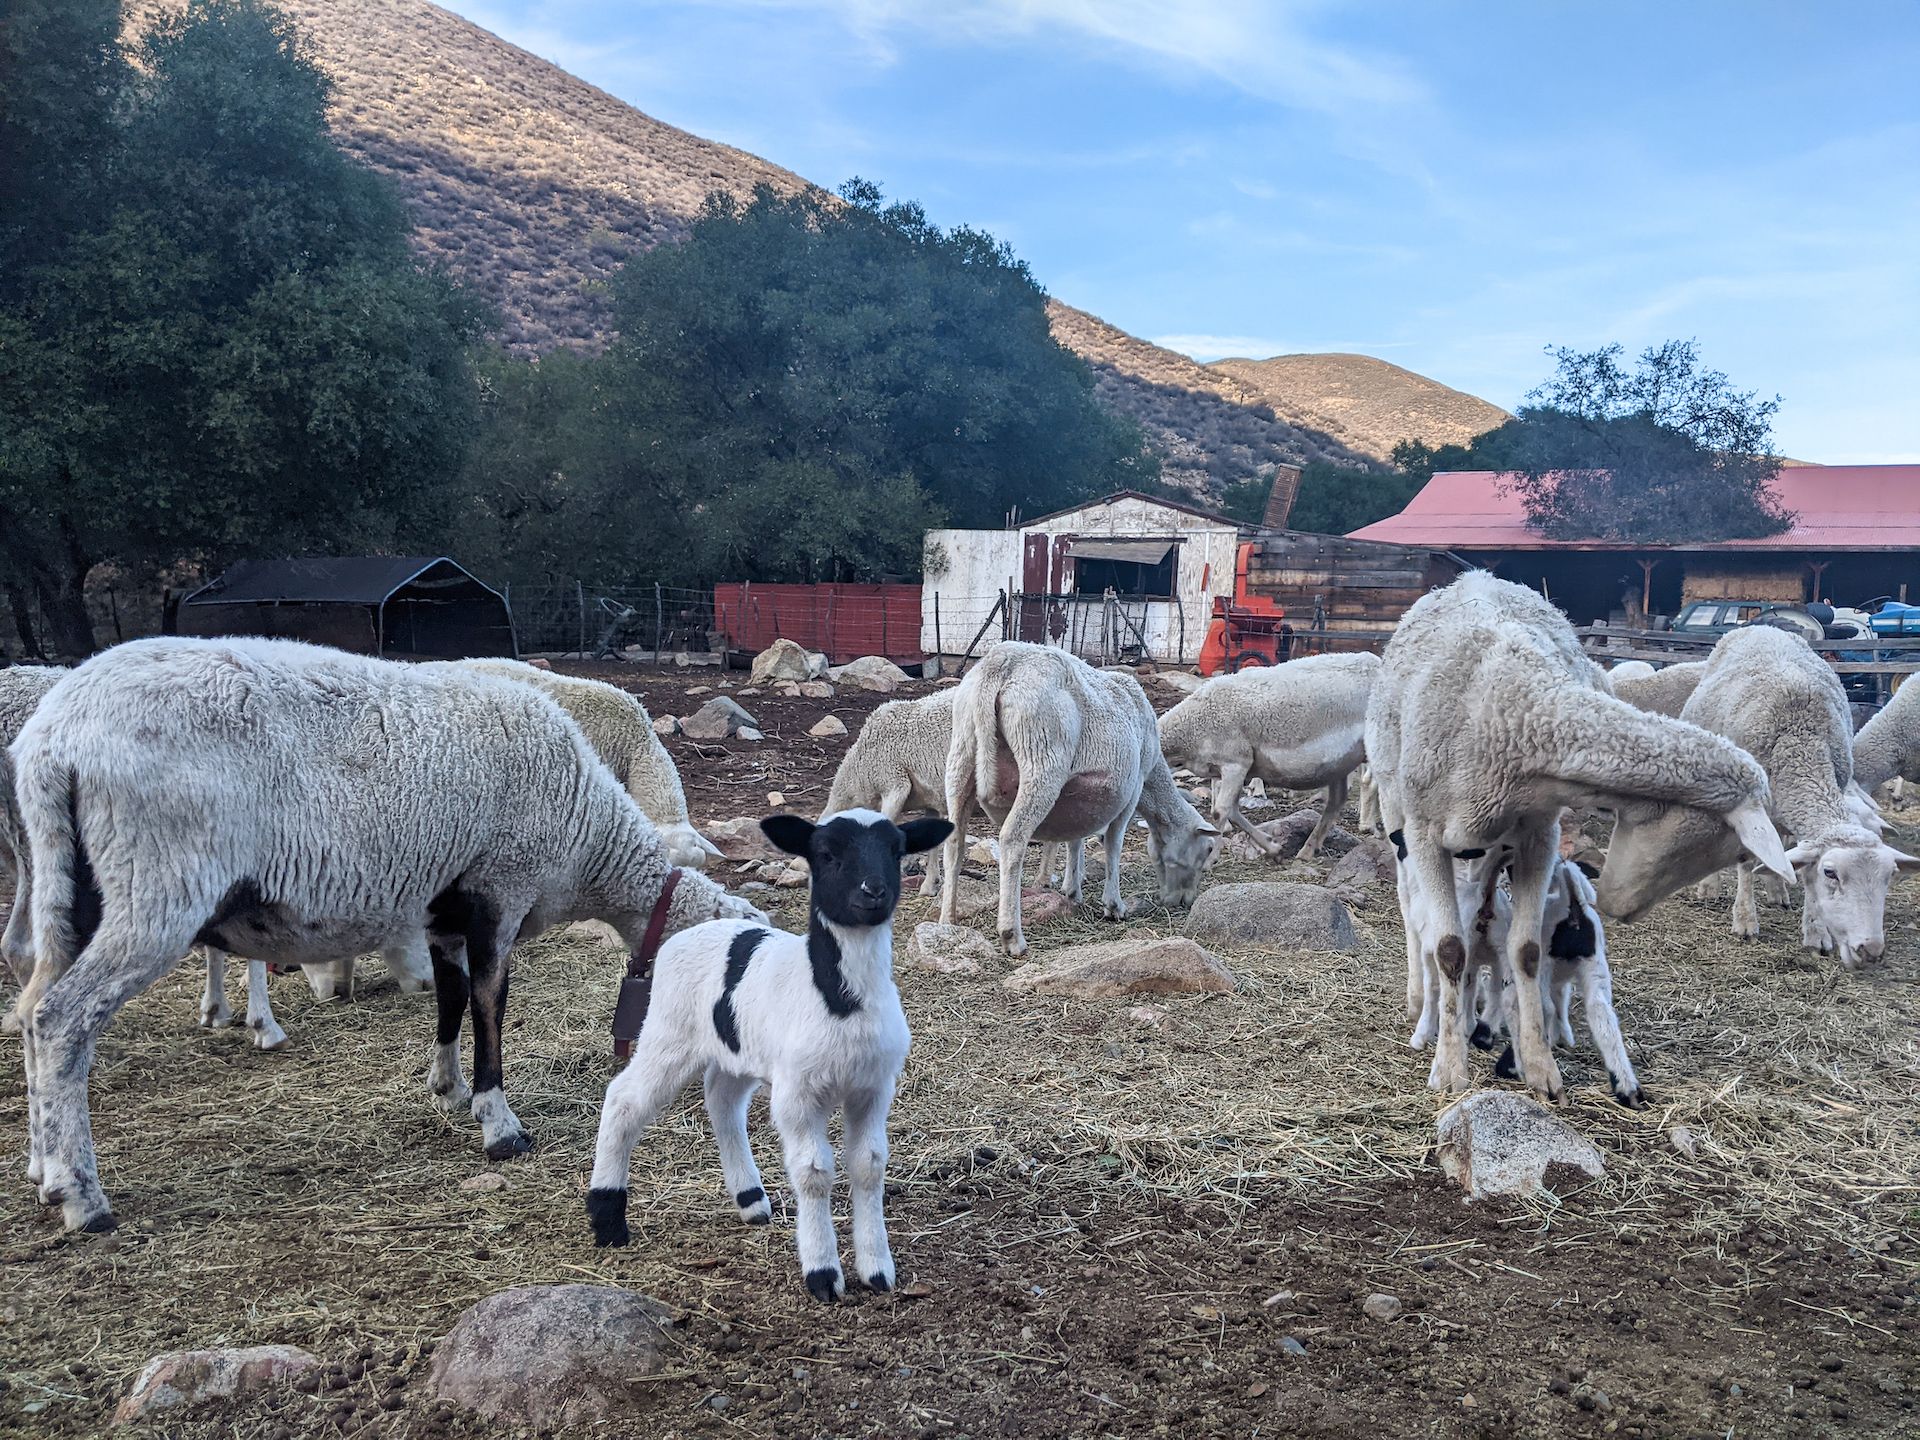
<point>1032,619</point>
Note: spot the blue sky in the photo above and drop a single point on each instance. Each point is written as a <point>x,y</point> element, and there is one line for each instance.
<point>1449,186</point>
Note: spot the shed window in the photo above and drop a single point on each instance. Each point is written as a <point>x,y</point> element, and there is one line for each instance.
<point>1141,568</point>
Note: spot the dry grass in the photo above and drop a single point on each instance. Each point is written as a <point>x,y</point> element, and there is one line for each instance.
<point>1368,405</point>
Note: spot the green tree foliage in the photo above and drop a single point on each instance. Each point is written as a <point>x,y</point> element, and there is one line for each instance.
<point>1666,452</point>
<point>227,345</point>
<point>804,386</point>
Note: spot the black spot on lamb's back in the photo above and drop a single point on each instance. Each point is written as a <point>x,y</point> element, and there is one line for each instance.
<point>739,951</point>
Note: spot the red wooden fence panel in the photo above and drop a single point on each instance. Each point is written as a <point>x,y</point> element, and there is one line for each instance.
<point>842,621</point>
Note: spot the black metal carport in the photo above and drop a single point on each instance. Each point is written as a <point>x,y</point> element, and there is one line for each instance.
<point>399,606</point>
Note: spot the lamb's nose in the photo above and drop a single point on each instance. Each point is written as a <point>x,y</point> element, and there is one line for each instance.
<point>871,890</point>
<point>1872,949</point>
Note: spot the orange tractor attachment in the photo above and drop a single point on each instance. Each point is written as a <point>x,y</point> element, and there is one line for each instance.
<point>1246,628</point>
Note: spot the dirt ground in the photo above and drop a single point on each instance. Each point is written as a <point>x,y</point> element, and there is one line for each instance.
<point>1102,1226</point>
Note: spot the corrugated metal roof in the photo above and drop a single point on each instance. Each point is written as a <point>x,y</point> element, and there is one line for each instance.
<point>339,580</point>
<point>1839,507</point>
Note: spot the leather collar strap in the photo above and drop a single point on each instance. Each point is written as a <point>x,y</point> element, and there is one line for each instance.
<point>636,990</point>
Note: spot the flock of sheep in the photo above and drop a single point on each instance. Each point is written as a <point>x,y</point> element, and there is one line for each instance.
<point>298,806</point>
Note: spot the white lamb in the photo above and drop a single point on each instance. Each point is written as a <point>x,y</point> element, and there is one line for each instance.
<point>296,804</point>
<point>1576,955</point>
<point>1659,692</point>
<point>1054,749</point>
<point>816,1018</point>
<point>1765,690</point>
<point>1487,721</point>
<point>1298,726</point>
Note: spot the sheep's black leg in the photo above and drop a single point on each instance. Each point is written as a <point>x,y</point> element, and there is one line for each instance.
<point>444,1080</point>
<point>487,948</point>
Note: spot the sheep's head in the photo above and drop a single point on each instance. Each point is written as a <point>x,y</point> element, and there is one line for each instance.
<point>1182,851</point>
<point>1846,874</point>
<point>686,846</point>
<point>1657,848</point>
<point>855,859</point>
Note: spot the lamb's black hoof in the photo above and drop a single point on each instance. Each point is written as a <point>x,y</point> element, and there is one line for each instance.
<point>824,1284</point>
<point>518,1143</point>
<point>1632,1099</point>
<point>607,1212</point>
<point>1482,1037</point>
<point>101,1224</point>
<point>754,1208</point>
<point>879,1283</point>
<point>1506,1067</point>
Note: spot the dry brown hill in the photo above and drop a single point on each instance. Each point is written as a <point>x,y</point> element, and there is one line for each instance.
<point>532,186</point>
<point>1368,404</point>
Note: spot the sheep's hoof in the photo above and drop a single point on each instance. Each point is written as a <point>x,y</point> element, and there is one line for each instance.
<point>268,1037</point>
<point>826,1284</point>
<point>454,1097</point>
<point>101,1222</point>
<point>880,1282</point>
<point>1634,1099</point>
<point>607,1212</point>
<point>1013,942</point>
<point>508,1146</point>
<point>215,1017</point>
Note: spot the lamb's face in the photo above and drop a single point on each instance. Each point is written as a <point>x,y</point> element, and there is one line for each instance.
<point>1182,859</point>
<point>1846,880</point>
<point>1657,849</point>
<point>855,859</point>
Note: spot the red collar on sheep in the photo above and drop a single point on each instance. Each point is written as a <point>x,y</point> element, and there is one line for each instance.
<point>636,991</point>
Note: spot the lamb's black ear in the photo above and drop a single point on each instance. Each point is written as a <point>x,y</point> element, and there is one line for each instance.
<point>790,833</point>
<point>926,832</point>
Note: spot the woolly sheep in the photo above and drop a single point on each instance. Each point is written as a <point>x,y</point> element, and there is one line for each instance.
<point>1888,745</point>
<point>898,762</point>
<point>1486,721</point>
<point>1298,726</point>
<point>1629,670</point>
<point>295,804</point>
<point>1658,692</point>
<point>21,689</point>
<point>816,1018</point>
<point>1054,749</point>
<point>1765,690</point>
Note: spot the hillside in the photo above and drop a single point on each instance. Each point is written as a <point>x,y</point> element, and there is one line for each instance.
<point>532,186</point>
<point>1368,404</point>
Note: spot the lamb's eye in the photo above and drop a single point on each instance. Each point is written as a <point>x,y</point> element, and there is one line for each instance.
<point>1831,874</point>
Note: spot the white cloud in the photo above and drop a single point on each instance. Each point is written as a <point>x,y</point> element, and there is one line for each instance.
<point>1218,347</point>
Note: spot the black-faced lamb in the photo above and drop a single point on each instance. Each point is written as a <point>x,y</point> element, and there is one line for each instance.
<point>1765,690</point>
<point>1053,749</point>
<point>1298,726</point>
<point>816,1018</point>
<point>1487,720</point>
<point>295,804</point>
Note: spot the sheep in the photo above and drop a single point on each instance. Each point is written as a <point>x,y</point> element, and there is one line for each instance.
<point>1658,692</point>
<point>1632,670</point>
<point>816,1018</point>
<point>1298,726</point>
<point>621,733</point>
<point>1488,719</point>
<point>21,689</point>
<point>1576,954</point>
<point>1053,748</point>
<point>294,804</point>
<point>898,762</point>
<point>1766,690</point>
<point>1887,748</point>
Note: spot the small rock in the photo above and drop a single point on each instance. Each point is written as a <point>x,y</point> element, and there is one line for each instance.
<point>951,949</point>
<point>1274,914</point>
<point>1494,1142</point>
<point>788,688</point>
<point>188,1377</point>
<point>794,875</point>
<point>776,798</point>
<point>555,1356</point>
<point>1379,1306</point>
<point>816,690</point>
<point>1368,863</point>
<point>698,690</point>
<point>827,726</point>
<point>1039,906</point>
<point>740,838</point>
<point>870,672</point>
<point>1124,967</point>
<point>1293,1347</point>
<point>782,660</point>
<point>1155,1016</point>
<point>666,724</point>
<point>1290,832</point>
<point>747,732</point>
<point>985,853</point>
<point>717,719</point>
<point>751,690</point>
<point>489,1180</point>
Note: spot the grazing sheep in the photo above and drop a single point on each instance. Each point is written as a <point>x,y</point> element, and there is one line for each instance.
<point>1298,726</point>
<point>1765,690</point>
<point>621,733</point>
<point>1658,692</point>
<point>296,804</point>
<point>1054,749</point>
<point>1888,746</point>
<point>1487,720</point>
<point>816,1018</point>
<point>21,690</point>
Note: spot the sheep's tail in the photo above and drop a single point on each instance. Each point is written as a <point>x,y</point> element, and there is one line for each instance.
<point>65,891</point>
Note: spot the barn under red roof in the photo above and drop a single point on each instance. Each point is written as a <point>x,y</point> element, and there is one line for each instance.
<point>1838,507</point>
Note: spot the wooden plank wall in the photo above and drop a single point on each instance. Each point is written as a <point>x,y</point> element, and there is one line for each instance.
<point>1363,585</point>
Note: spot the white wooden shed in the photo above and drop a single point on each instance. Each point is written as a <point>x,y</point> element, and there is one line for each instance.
<point>1122,577</point>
